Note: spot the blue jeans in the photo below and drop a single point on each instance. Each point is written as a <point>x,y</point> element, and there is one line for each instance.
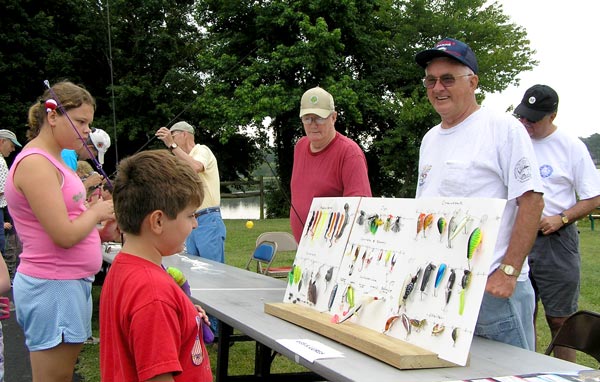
<point>208,239</point>
<point>509,320</point>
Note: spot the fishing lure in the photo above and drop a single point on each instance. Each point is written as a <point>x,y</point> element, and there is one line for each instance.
<point>332,297</point>
<point>441,226</point>
<point>418,324</point>
<point>466,280</point>
<point>310,222</point>
<point>342,224</point>
<point>394,260</point>
<point>329,274</point>
<point>356,252</point>
<point>438,277</point>
<point>329,224</point>
<point>326,215</point>
<point>333,220</point>
<point>450,285</point>
<point>304,280</point>
<point>361,218</point>
<point>387,257</point>
<point>312,292</point>
<point>420,223</point>
<point>410,286</point>
<point>462,224</point>
<point>362,261</point>
<point>350,296</point>
<point>313,228</point>
<point>473,244</point>
<point>388,223</point>
<point>437,329</point>
<point>389,323</point>
<point>354,312</point>
<point>297,274</point>
<point>427,221</point>
<point>380,256</point>
<point>374,223</point>
<point>396,226</point>
<point>406,324</point>
<point>451,228</point>
<point>454,335</point>
<point>426,275</point>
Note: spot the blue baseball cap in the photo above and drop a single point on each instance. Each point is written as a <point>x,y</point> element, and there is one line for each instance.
<point>451,48</point>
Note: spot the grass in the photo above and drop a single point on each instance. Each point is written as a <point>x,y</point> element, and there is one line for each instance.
<point>240,243</point>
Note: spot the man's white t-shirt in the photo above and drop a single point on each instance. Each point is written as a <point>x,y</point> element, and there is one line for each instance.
<point>488,155</point>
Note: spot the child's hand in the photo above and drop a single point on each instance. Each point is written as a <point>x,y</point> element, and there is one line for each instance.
<point>104,209</point>
<point>202,314</point>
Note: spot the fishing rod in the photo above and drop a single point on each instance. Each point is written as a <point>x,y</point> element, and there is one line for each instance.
<point>57,104</point>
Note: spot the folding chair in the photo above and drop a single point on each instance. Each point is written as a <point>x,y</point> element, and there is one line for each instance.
<point>285,240</point>
<point>581,331</point>
<point>264,254</point>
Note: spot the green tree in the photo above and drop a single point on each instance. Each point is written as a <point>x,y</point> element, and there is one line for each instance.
<point>262,55</point>
<point>148,49</point>
<point>593,144</point>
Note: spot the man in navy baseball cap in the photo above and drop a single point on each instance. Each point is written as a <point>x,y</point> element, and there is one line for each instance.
<point>452,48</point>
<point>477,152</point>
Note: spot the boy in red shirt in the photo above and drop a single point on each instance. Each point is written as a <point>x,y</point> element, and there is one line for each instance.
<point>149,328</point>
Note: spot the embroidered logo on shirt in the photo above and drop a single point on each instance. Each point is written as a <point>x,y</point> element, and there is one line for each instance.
<point>423,174</point>
<point>523,170</point>
<point>546,170</point>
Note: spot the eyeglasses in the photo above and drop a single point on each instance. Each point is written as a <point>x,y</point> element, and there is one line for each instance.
<point>523,119</point>
<point>447,80</point>
<point>318,120</point>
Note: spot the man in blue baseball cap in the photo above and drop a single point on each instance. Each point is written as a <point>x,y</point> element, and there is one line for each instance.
<point>477,153</point>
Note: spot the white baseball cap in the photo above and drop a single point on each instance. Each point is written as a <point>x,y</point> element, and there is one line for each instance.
<point>101,141</point>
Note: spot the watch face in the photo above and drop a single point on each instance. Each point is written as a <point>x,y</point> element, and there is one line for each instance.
<point>565,219</point>
<point>508,269</point>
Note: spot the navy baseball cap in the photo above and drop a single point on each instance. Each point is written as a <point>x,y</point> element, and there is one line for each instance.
<point>451,48</point>
<point>538,101</point>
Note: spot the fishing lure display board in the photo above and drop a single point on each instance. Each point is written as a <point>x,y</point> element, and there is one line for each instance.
<point>413,270</point>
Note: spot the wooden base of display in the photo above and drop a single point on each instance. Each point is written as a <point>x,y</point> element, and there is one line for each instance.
<point>395,352</point>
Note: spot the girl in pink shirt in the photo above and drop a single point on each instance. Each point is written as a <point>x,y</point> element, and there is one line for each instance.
<point>61,246</point>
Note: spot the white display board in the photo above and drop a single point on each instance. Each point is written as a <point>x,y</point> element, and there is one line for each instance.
<point>414,269</point>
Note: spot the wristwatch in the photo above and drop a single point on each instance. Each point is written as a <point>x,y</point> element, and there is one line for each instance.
<point>564,218</point>
<point>173,146</point>
<point>509,270</point>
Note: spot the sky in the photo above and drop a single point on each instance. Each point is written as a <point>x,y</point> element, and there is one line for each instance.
<point>563,34</point>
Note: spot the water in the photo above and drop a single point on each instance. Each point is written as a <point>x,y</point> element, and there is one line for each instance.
<point>241,208</point>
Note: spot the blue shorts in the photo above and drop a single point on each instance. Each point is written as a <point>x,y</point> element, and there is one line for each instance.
<point>53,311</point>
<point>509,320</point>
<point>554,270</point>
<point>208,239</point>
